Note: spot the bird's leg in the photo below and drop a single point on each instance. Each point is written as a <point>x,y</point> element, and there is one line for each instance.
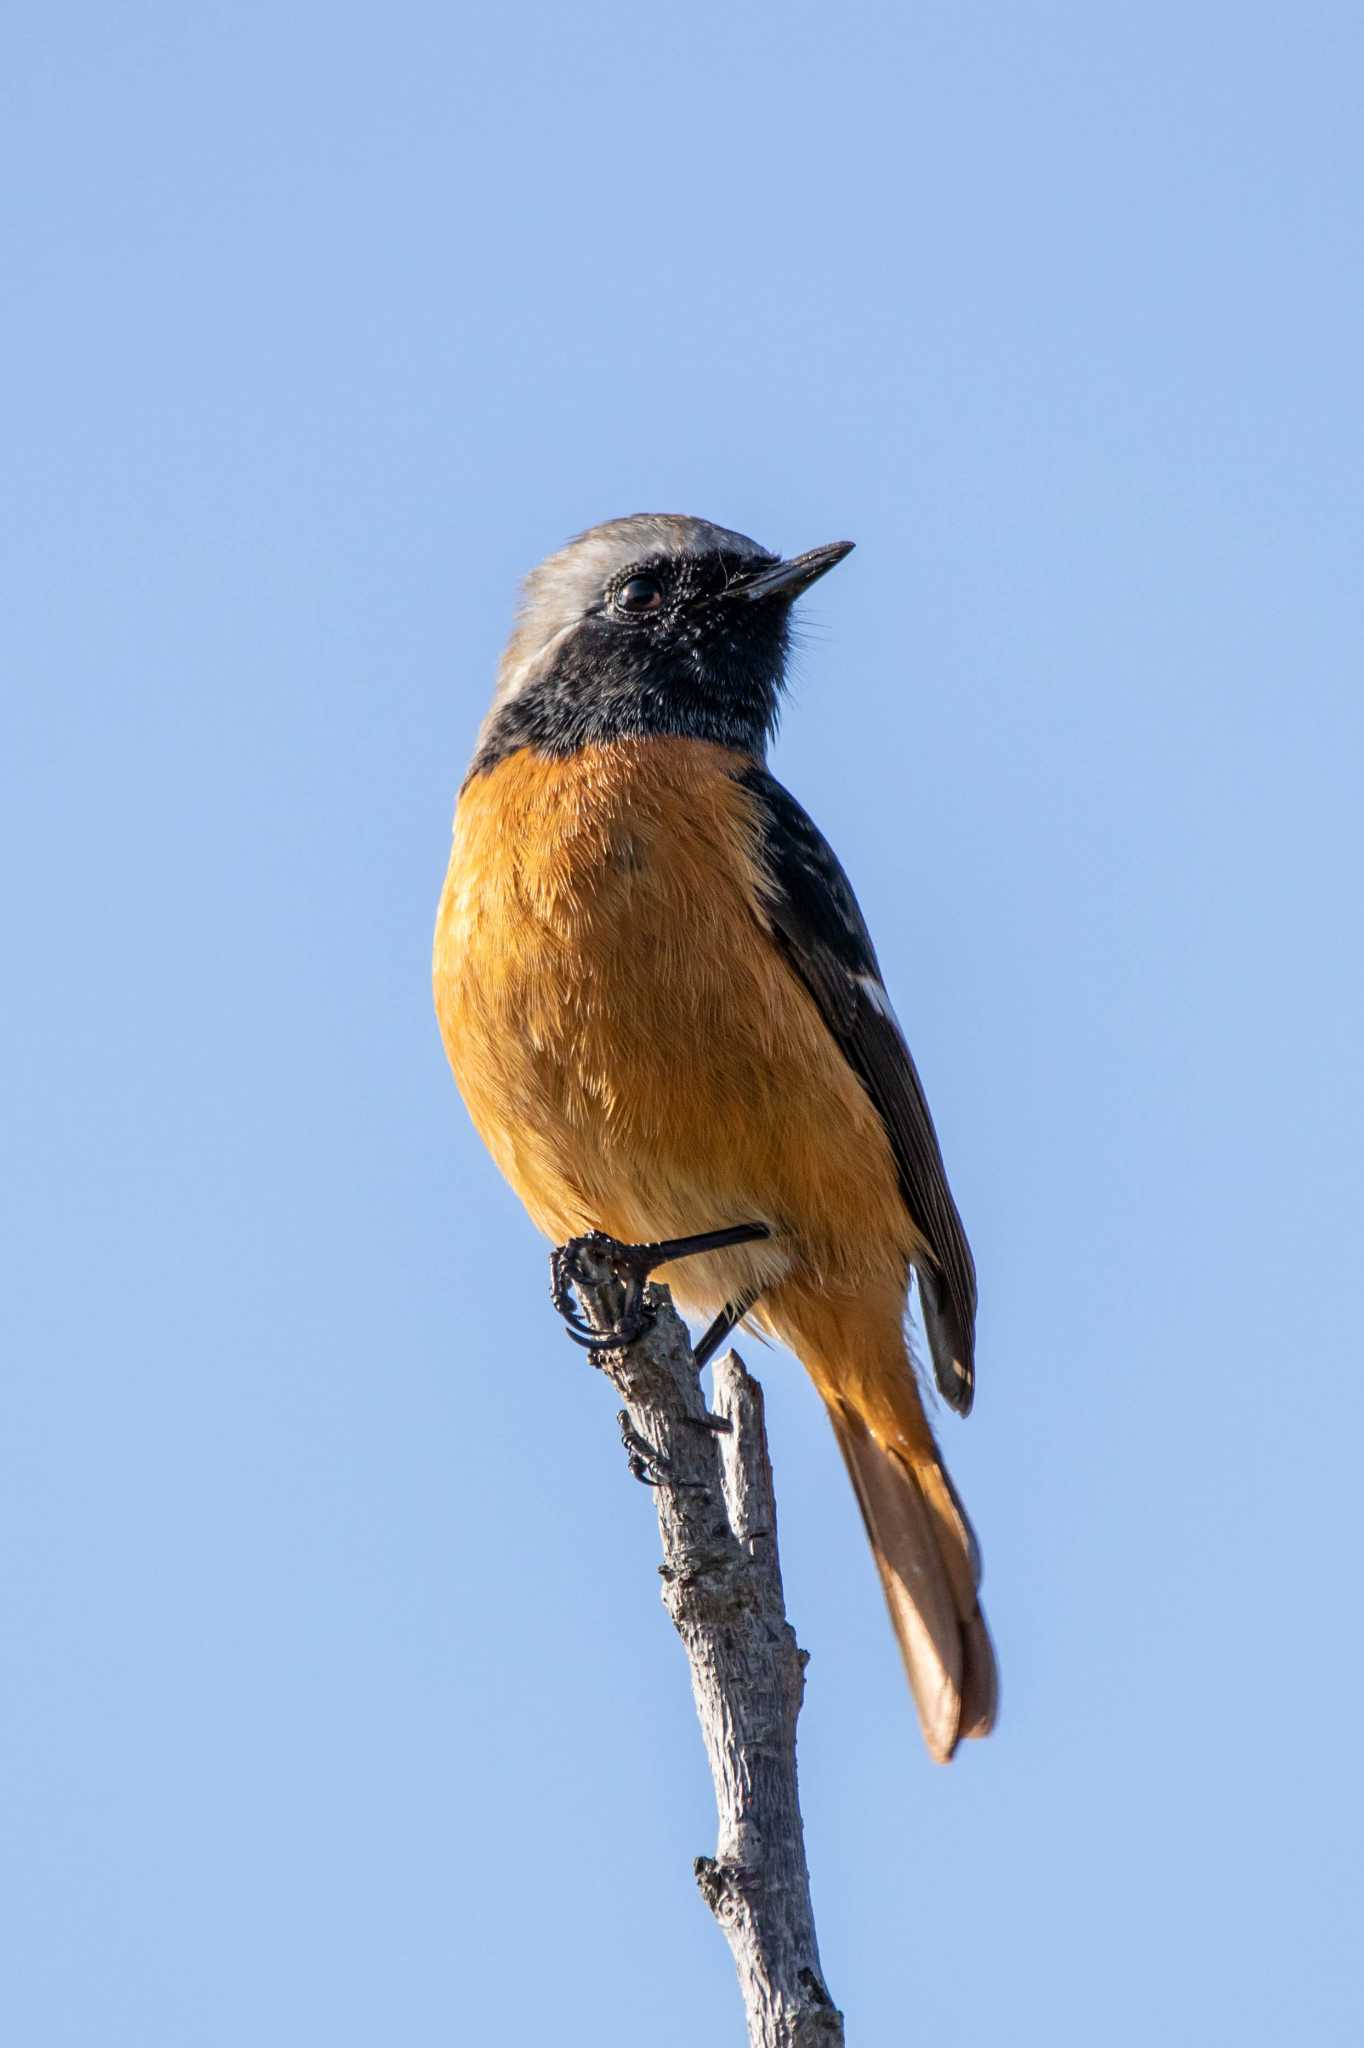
<point>631,1264</point>
<point>729,1318</point>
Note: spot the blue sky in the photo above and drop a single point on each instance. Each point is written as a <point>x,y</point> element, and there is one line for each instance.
<point>338,1703</point>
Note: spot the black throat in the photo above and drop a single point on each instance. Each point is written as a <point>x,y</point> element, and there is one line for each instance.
<point>710,671</point>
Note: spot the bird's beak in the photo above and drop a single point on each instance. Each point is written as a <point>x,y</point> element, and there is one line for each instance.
<point>789,579</point>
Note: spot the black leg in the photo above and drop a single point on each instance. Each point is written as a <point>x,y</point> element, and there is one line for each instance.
<point>632,1265</point>
<point>729,1318</point>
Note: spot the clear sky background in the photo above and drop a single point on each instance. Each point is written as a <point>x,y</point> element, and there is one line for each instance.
<point>338,1704</point>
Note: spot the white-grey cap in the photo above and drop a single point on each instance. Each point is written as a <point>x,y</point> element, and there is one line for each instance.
<point>556,594</point>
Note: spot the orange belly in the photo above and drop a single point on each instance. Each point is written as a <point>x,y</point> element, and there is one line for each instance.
<point>630,1043</point>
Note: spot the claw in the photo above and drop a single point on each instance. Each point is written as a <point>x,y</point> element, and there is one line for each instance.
<point>563,1277</point>
<point>647,1465</point>
<point>593,1341</point>
<point>632,1265</point>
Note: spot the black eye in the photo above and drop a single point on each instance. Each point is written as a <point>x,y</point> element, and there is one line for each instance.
<point>639,594</point>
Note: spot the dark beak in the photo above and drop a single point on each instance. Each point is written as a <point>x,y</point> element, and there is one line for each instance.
<point>789,579</point>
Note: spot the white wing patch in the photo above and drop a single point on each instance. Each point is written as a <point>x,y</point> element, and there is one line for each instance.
<point>879,1000</point>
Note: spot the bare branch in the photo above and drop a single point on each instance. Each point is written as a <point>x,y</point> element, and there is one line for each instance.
<point>712,1482</point>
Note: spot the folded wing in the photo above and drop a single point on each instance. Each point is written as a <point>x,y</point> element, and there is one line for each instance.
<point>820,928</point>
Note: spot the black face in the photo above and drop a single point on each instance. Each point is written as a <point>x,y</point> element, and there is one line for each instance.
<point>669,647</point>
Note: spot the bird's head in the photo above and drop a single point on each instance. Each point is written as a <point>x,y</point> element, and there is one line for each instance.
<point>652,625</point>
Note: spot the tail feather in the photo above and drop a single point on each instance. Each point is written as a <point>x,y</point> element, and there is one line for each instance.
<point>929,1563</point>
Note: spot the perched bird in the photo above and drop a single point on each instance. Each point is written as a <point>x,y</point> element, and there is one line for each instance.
<point>666,1017</point>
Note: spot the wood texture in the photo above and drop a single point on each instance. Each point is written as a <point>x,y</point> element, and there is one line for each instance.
<point>722,1587</point>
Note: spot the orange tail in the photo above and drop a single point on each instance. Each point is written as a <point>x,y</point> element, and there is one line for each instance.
<point>854,1350</point>
<point>926,1554</point>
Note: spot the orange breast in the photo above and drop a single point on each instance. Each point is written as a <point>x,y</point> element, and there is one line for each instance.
<point>631,1045</point>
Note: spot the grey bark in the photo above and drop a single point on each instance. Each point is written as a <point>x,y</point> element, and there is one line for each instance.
<point>722,1587</point>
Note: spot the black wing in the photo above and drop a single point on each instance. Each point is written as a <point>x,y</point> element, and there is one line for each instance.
<point>824,936</point>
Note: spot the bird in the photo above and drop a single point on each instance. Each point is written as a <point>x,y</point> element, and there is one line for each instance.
<point>666,1017</point>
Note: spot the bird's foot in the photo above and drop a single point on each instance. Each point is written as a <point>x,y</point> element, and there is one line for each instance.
<point>647,1465</point>
<point>580,1262</point>
<point>571,1267</point>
